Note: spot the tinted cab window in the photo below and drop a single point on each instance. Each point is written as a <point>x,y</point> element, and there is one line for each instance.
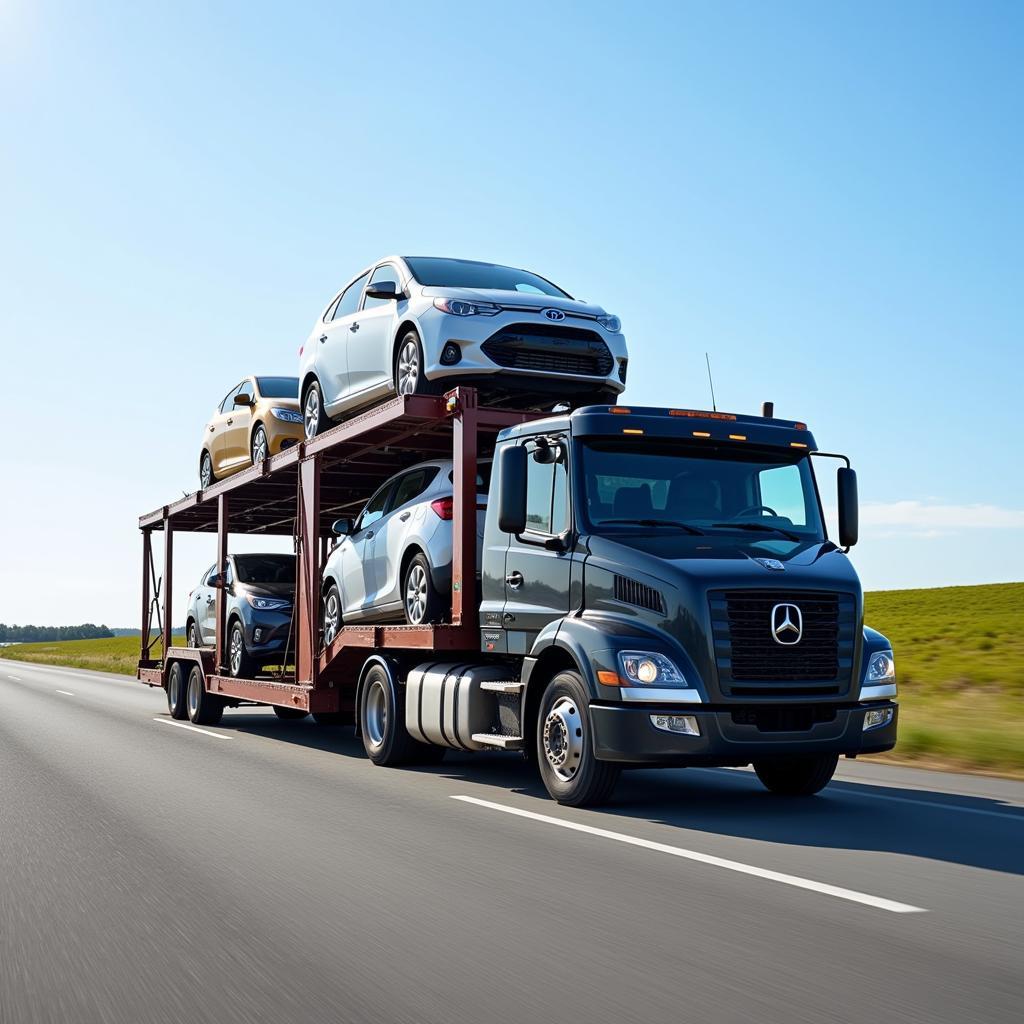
<point>547,507</point>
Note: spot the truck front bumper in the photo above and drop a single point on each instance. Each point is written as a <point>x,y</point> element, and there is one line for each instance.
<point>735,736</point>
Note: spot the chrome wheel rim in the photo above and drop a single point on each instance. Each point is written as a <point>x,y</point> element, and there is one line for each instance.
<point>332,617</point>
<point>205,471</point>
<point>236,651</point>
<point>174,691</point>
<point>193,698</point>
<point>408,368</point>
<point>376,723</point>
<point>311,413</point>
<point>259,446</point>
<point>416,594</point>
<point>563,738</point>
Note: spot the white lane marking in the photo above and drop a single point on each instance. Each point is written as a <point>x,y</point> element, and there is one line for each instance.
<point>193,728</point>
<point>17,679</point>
<point>935,805</point>
<point>852,895</point>
<point>67,693</point>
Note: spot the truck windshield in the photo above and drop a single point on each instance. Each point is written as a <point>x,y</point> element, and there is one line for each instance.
<point>265,568</point>
<point>431,271</point>
<point>712,491</point>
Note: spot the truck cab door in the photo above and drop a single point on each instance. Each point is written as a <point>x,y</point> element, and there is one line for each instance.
<point>537,576</point>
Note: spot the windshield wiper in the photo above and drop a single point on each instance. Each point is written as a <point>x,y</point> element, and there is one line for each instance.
<point>762,527</point>
<point>655,522</point>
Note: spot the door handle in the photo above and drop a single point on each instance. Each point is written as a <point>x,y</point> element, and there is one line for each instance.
<point>210,600</point>
<point>404,516</point>
<point>369,534</point>
<point>514,580</point>
<point>211,430</point>
<point>354,327</point>
<point>231,420</point>
<point>323,338</point>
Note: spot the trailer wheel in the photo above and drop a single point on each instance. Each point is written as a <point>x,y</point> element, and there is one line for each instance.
<point>290,714</point>
<point>798,775</point>
<point>204,708</point>
<point>176,686</point>
<point>382,723</point>
<point>571,773</point>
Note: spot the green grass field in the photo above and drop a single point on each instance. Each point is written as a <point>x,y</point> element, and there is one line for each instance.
<point>959,664</point>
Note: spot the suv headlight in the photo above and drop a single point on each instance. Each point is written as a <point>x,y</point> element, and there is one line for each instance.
<point>881,668</point>
<point>288,415</point>
<point>460,307</point>
<point>267,604</point>
<point>648,669</point>
<point>610,323</point>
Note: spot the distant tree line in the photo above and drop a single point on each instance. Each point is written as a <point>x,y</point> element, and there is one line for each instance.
<point>42,634</point>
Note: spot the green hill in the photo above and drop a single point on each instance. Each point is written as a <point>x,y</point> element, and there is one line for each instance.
<point>959,664</point>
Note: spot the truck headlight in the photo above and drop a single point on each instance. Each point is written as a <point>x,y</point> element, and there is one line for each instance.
<point>649,669</point>
<point>881,668</point>
<point>460,307</point>
<point>288,415</point>
<point>610,323</point>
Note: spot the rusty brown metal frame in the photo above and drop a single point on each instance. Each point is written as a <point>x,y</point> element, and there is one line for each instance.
<point>402,420</point>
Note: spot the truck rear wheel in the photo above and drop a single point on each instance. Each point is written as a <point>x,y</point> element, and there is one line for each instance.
<point>176,692</point>
<point>798,775</point>
<point>571,773</point>
<point>382,722</point>
<point>204,708</point>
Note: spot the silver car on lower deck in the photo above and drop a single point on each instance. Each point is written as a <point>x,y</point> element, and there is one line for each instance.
<point>394,562</point>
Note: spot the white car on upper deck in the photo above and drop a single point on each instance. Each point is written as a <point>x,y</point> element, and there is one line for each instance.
<point>421,324</point>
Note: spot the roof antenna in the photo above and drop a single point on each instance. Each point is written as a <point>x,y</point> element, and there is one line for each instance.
<point>707,359</point>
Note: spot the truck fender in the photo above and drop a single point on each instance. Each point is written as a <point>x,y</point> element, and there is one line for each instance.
<point>572,637</point>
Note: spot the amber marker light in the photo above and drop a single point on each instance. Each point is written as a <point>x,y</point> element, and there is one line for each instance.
<point>632,430</point>
<point>797,444</point>
<point>608,678</point>
<point>701,433</point>
<point>737,437</point>
<point>620,410</point>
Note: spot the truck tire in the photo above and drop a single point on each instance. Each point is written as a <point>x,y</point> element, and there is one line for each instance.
<point>571,773</point>
<point>290,714</point>
<point>800,775</point>
<point>204,708</point>
<point>382,723</point>
<point>176,686</point>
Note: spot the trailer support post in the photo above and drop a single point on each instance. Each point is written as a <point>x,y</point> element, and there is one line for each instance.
<point>464,602</point>
<point>307,600</point>
<point>167,584</point>
<point>147,554</point>
<point>220,638</point>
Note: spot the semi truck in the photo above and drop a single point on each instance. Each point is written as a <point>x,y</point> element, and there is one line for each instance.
<point>656,588</point>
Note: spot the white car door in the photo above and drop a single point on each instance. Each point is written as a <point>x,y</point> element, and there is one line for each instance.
<point>332,349</point>
<point>357,571</point>
<point>370,372</point>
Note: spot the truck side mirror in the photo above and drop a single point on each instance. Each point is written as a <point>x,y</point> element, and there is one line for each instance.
<point>846,484</point>
<point>512,489</point>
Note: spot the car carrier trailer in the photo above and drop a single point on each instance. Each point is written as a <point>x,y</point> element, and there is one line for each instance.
<point>613,622</point>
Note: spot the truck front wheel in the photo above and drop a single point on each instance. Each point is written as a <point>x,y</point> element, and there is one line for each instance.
<point>798,775</point>
<point>571,773</point>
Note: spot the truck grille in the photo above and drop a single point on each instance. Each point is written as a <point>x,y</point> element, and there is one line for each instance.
<point>750,661</point>
<point>546,350</point>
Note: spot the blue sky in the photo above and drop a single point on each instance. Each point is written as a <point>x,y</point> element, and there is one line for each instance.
<point>827,198</point>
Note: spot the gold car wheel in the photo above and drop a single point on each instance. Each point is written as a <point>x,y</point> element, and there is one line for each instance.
<point>205,471</point>
<point>259,445</point>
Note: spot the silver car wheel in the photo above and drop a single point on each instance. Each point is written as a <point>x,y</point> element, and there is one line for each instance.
<point>236,651</point>
<point>416,594</point>
<point>193,636</point>
<point>408,368</point>
<point>259,446</point>
<point>376,723</point>
<point>332,617</point>
<point>563,738</point>
<point>311,413</point>
<point>205,471</point>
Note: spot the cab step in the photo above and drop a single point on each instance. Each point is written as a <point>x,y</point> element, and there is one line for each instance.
<point>501,686</point>
<point>490,739</point>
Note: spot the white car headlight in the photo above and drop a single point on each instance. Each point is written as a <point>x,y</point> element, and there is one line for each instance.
<point>649,669</point>
<point>610,323</point>
<point>460,307</point>
<point>881,668</point>
<point>288,415</point>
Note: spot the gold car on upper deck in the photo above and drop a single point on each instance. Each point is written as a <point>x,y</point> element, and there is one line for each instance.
<point>258,417</point>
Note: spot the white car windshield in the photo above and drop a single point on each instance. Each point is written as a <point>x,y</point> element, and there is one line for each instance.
<point>434,272</point>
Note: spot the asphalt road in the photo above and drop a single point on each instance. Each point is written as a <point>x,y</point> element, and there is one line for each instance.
<point>265,871</point>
